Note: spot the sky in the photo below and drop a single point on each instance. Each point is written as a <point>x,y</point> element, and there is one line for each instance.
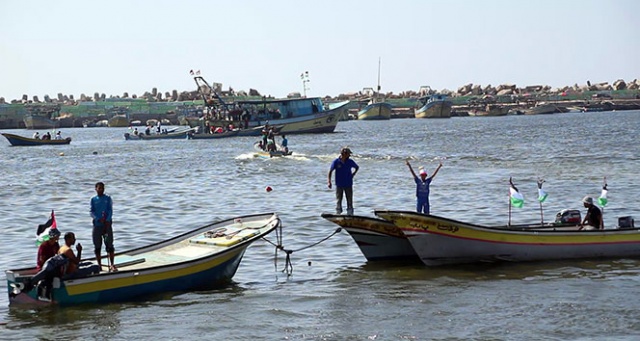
<point>112,47</point>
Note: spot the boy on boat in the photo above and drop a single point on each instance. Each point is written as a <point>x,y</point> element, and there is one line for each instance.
<point>422,187</point>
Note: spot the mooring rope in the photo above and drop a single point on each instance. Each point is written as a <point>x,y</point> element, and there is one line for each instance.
<point>288,267</point>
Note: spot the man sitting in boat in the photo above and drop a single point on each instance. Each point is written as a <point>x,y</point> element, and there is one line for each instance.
<point>593,218</point>
<point>59,135</point>
<point>75,267</point>
<point>36,135</point>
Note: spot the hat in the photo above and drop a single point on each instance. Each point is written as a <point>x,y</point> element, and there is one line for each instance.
<point>345,150</point>
<point>422,171</point>
<point>54,233</point>
<point>587,200</point>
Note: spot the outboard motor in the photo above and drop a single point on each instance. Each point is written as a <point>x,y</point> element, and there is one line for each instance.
<point>625,223</point>
<point>568,217</point>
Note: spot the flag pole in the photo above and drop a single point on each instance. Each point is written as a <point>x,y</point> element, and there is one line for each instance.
<point>509,198</point>
<point>540,181</point>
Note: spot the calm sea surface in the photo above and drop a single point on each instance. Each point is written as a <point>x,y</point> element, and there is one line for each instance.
<point>163,188</point>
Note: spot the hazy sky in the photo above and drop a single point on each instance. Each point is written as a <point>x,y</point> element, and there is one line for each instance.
<point>110,47</point>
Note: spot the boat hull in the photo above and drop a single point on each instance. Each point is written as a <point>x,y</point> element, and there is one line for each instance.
<point>375,111</point>
<point>440,241</point>
<point>437,109</point>
<point>198,259</point>
<point>118,121</point>
<point>17,140</point>
<point>39,122</point>
<point>378,240</point>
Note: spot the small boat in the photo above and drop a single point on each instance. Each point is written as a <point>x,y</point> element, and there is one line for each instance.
<point>378,239</point>
<point>434,106</point>
<point>204,258</point>
<point>441,241</point>
<point>17,140</point>
<point>279,152</point>
<point>176,133</point>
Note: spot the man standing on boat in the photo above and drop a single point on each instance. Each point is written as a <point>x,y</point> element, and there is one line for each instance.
<point>422,188</point>
<point>593,218</point>
<point>101,213</point>
<point>344,179</point>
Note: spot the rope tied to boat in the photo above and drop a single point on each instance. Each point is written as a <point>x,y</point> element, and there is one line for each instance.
<point>288,267</point>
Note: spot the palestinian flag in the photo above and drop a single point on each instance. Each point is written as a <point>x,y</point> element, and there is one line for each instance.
<point>542,195</point>
<point>42,233</point>
<point>602,200</point>
<point>517,200</point>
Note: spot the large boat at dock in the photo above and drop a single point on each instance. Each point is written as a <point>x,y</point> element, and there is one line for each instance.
<point>434,106</point>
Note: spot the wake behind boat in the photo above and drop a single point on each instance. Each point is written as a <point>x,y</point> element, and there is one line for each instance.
<point>440,241</point>
<point>206,257</point>
<point>17,140</point>
<point>377,239</point>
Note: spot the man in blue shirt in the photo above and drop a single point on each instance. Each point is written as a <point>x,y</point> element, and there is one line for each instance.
<point>101,213</point>
<point>422,188</point>
<point>344,179</point>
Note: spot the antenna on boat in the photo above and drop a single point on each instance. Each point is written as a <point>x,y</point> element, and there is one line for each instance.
<point>378,74</point>
<point>305,80</point>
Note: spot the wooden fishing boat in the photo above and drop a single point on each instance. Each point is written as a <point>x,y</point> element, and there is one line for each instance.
<point>17,140</point>
<point>440,241</point>
<point>378,239</point>
<point>295,115</point>
<point>279,152</point>
<point>375,111</point>
<point>204,258</point>
<point>434,106</point>
<point>376,108</point>
<point>176,133</point>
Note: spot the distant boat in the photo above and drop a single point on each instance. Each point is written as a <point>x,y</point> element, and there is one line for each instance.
<point>375,111</point>
<point>434,106</point>
<point>40,116</point>
<point>17,140</point>
<point>490,110</point>
<point>176,133</point>
<point>295,115</point>
<point>376,108</point>
<point>118,121</point>
<point>543,108</point>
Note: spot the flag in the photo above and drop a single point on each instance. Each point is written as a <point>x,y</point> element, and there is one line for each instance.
<point>42,233</point>
<point>191,72</point>
<point>517,200</point>
<point>542,195</point>
<point>602,200</point>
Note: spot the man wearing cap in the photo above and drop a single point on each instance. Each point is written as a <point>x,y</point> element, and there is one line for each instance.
<point>344,179</point>
<point>422,187</point>
<point>593,218</point>
<point>48,248</point>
